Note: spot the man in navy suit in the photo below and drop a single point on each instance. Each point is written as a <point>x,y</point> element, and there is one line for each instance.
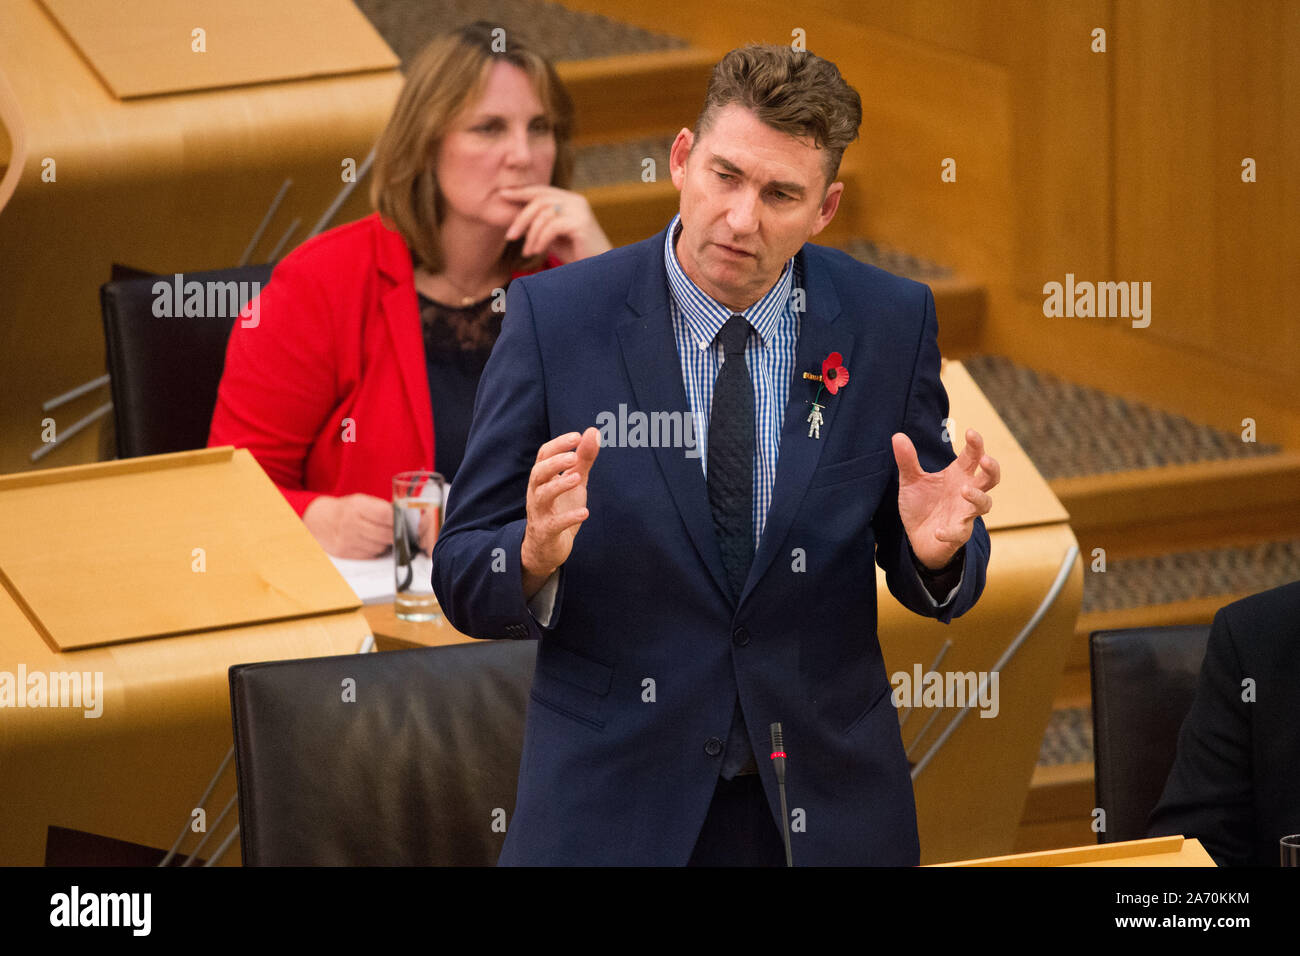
<point>769,420</point>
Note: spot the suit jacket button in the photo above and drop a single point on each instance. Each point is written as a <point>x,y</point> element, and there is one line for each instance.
<point>740,636</point>
<point>713,746</point>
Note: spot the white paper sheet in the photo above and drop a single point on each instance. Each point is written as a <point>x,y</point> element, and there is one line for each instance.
<point>370,578</point>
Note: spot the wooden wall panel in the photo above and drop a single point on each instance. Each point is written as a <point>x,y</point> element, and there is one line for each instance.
<point>1194,88</point>
<point>985,29</point>
<point>1126,165</point>
<point>1220,253</point>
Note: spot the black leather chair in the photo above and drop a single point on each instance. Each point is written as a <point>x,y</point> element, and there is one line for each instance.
<point>420,769</point>
<point>1143,684</point>
<point>165,370</point>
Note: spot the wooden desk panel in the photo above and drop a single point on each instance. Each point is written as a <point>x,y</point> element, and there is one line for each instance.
<point>147,47</point>
<point>392,634</point>
<point>1158,851</point>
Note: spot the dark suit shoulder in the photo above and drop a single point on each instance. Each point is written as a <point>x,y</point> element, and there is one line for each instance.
<point>1263,629</point>
<point>1280,605</point>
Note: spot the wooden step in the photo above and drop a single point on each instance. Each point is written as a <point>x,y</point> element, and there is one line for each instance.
<point>1176,614</point>
<point>1058,810</point>
<point>555,31</point>
<point>1178,499</point>
<point>1100,450</point>
<point>623,80</point>
<point>1178,588</point>
<point>623,161</point>
<point>636,95</point>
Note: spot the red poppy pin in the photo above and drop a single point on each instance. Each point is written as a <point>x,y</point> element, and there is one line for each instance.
<point>834,377</point>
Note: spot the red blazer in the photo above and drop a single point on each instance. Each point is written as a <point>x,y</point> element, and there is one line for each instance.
<point>329,390</point>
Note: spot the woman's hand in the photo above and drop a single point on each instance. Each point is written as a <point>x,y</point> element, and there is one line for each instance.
<point>555,221</point>
<point>428,530</point>
<point>354,526</point>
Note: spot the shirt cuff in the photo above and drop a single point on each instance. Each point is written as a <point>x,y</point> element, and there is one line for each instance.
<point>947,578</point>
<point>542,604</point>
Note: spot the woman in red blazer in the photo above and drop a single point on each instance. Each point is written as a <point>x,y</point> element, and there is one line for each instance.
<point>331,389</point>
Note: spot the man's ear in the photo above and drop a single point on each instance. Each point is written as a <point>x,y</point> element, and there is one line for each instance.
<point>681,149</point>
<point>830,203</point>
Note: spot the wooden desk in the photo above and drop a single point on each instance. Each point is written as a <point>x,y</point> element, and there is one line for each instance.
<point>155,633</point>
<point>1158,851</point>
<point>392,634</point>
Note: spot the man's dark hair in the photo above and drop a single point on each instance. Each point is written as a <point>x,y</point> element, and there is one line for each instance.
<point>790,90</point>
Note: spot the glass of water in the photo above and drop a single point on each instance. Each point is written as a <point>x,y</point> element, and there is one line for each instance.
<point>1290,849</point>
<point>418,498</point>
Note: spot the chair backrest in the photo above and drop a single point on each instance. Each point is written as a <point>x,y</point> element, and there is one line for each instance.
<point>165,365</point>
<point>399,758</point>
<point>1143,684</point>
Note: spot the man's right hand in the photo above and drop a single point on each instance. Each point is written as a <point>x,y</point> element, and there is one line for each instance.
<point>353,526</point>
<point>556,504</point>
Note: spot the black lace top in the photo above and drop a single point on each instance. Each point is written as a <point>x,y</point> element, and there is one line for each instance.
<point>457,342</point>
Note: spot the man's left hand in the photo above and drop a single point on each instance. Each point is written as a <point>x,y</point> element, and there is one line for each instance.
<point>939,508</point>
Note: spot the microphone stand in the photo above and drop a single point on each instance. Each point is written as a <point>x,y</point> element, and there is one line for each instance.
<point>778,764</point>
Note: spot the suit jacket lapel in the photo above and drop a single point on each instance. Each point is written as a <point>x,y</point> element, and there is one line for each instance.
<point>819,335</point>
<point>402,316</point>
<point>655,371</point>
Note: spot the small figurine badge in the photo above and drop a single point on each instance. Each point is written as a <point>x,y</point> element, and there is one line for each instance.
<point>834,376</point>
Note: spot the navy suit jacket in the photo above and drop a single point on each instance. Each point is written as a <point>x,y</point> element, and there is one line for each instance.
<point>638,671</point>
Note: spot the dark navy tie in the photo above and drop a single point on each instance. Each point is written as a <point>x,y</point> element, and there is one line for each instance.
<point>731,456</point>
<point>731,493</point>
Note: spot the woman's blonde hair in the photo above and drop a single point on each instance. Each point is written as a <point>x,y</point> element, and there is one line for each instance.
<point>447,76</point>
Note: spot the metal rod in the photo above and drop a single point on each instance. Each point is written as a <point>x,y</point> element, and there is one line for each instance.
<point>1053,593</point>
<point>261,227</point>
<point>934,666</point>
<point>189,860</point>
<point>77,392</point>
<point>212,784</point>
<point>343,195</point>
<point>924,730</point>
<point>275,253</point>
<point>72,430</point>
<point>225,845</point>
<point>785,826</point>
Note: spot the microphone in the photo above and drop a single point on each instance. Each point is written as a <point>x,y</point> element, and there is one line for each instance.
<point>778,764</point>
